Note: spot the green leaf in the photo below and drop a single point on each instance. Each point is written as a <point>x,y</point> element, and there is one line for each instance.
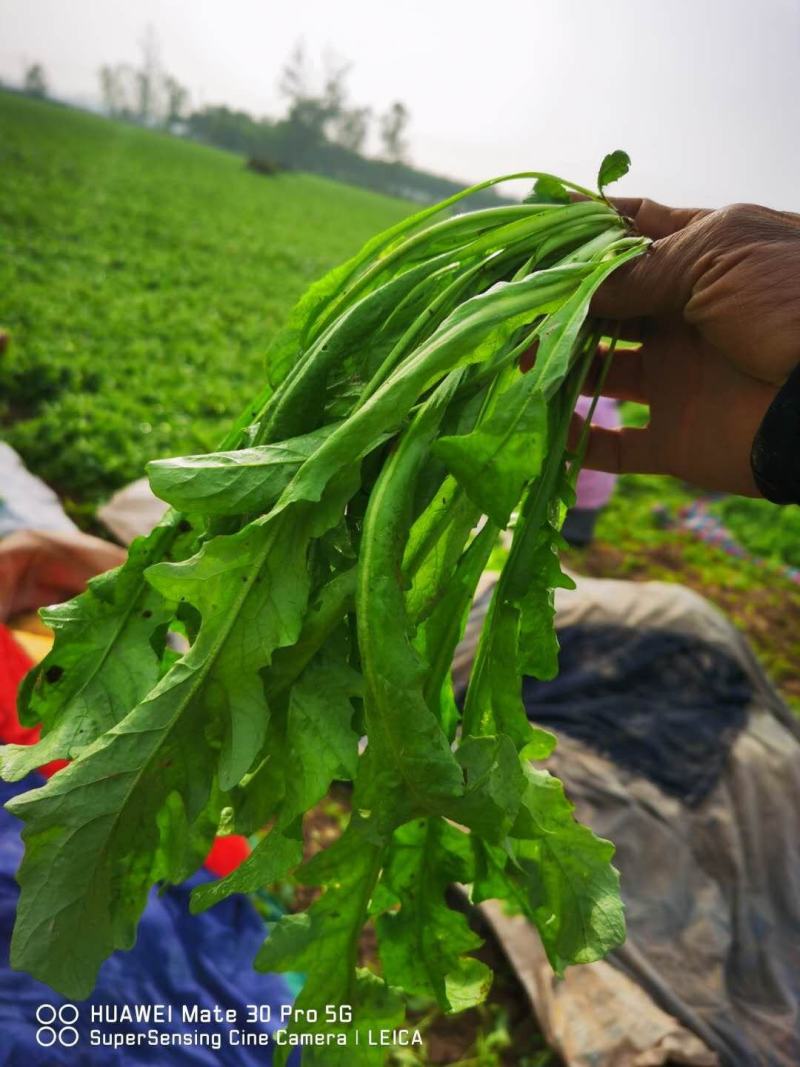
<point>322,942</point>
<point>91,844</point>
<point>560,874</point>
<point>538,641</point>
<point>614,166</point>
<point>548,190</point>
<point>270,861</point>
<point>397,247</point>
<point>104,660</point>
<point>286,772</point>
<point>409,762</point>
<point>494,783</point>
<point>343,356</point>
<point>96,822</point>
<point>435,542</point>
<point>541,745</point>
<point>574,898</point>
<point>251,590</point>
<point>331,294</point>
<point>327,609</point>
<point>471,334</point>
<point>423,944</point>
<point>559,337</point>
<point>376,1007</point>
<point>293,337</point>
<point>248,480</point>
<point>436,639</point>
<point>320,741</point>
<point>183,843</point>
<point>495,461</point>
<point>494,700</point>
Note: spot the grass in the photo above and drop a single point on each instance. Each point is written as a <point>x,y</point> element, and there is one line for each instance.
<point>769,532</point>
<point>141,277</point>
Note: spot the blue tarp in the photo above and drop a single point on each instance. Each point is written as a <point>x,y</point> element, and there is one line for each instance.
<point>179,959</point>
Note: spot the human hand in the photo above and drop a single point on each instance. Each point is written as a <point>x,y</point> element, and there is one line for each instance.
<point>715,303</point>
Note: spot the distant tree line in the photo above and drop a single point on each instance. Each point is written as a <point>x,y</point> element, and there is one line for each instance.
<point>34,80</point>
<point>322,131</point>
<point>316,118</point>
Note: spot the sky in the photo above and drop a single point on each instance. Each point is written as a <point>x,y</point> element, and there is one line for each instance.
<point>703,94</point>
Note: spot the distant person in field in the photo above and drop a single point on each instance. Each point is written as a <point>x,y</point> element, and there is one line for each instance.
<point>594,488</point>
<point>715,303</point>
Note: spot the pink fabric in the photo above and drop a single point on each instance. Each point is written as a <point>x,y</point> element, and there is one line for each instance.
<point>595,487</point>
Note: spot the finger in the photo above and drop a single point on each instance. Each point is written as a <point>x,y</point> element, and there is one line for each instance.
<point>650,218</point>
<point>659,282</point>
<point>656,220</point>
<point>624,375</point>
<point>625,451</point>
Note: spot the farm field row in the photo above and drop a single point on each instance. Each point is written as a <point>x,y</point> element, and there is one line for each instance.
<point>140,279</point>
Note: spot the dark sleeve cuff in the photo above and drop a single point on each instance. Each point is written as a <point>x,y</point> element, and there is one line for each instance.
<point>775,456</point>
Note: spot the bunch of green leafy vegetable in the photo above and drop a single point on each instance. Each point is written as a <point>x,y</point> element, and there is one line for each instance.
<point>322,565</point>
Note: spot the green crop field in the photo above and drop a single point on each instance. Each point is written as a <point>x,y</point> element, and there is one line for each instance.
<point>140,279</point>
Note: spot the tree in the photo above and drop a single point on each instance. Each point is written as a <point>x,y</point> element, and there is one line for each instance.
<point>392,129</point>
<point>295,77</point>
<point>112,90</point>
<point>334,92</point>
<point>35,81</point>
<point>126,91</point>
<point>234,130</point>
<point>314,114</point>
<point>177,100</point>
<point>351,128</point>
<point>148,79</point>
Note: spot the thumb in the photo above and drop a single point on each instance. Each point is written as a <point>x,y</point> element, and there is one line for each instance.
<point>624,451</point>
<point>659,282</point>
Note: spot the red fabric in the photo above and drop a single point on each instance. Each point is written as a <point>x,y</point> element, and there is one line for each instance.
<point>226,853</point>
<point>14,665</point>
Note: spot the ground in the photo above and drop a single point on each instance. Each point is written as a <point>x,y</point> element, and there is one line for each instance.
<point>757,593</point>
<point>141,279</point>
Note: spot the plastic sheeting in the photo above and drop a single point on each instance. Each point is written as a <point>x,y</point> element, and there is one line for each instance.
<point>673,744</point>
<point>132,511</point>
<point>25,501</point>
<point>179,959</point>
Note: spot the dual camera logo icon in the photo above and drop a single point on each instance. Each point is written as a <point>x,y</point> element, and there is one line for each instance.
<point>56,1025</point>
